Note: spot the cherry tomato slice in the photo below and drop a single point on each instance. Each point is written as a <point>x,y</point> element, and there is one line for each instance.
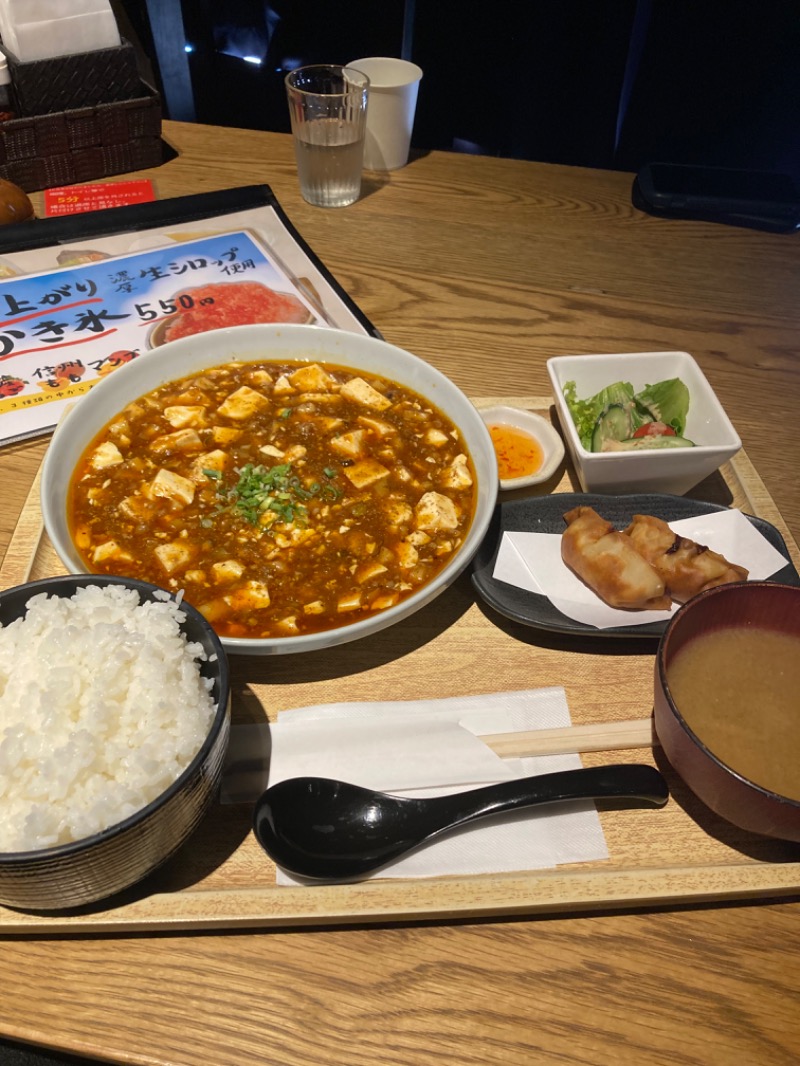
<point>655,429</point>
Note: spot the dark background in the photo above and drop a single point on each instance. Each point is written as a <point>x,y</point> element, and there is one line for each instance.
<point>14,1054</point>
<point>601,83</point>
<point>605,83</point>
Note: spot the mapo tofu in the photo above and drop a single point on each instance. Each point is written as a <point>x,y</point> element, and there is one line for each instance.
<point>282,499</point>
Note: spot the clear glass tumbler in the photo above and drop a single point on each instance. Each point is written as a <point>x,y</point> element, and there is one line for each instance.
<point>328,109</point>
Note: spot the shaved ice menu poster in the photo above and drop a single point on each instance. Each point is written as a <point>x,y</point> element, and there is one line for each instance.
<point>92,309</point>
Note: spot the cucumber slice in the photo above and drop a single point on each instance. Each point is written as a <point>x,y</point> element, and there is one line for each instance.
<point>614,424</point>
<point>648,444</point>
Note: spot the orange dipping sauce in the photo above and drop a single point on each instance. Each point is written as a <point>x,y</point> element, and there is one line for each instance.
<point>518,453</point>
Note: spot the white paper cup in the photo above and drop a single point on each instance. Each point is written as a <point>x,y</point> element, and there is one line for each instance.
<point>393,86</point>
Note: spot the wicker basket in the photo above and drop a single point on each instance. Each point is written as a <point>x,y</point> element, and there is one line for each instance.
<point>104,76</point>
<point>66,147</point>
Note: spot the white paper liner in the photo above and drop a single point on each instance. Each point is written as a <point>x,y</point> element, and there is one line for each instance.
<point>428,747</point>
<point>532,561</point>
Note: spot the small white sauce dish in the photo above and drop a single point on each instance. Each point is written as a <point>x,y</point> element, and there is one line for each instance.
<point>540,429</point>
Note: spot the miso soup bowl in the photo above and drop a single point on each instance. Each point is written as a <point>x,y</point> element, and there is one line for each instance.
<point>721,787</point>
<point>256,343</point>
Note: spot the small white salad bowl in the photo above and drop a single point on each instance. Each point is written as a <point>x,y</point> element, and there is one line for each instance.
<point>543,433</point>
<point>671,470</point>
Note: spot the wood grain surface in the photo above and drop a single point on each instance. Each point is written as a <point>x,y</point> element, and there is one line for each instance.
<point>222,879</point>
<point>485,267</point>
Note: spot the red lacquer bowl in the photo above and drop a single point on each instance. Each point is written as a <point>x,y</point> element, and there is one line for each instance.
<point>719,786</point>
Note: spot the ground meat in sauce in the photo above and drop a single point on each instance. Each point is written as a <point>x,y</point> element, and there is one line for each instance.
<point>282,498</point>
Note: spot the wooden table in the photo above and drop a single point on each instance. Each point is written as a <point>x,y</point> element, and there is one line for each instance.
<point>485,267</point>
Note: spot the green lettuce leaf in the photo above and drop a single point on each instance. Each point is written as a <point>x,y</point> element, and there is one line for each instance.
<point>586,412</point>
<point>668,402</point>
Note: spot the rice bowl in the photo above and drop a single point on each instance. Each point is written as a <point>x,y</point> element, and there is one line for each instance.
<point>102,706</point>
<point>114,721</point>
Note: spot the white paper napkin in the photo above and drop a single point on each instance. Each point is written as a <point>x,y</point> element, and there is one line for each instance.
<point>427,747</point>
<point>46,29</point>
<point>532,561</point>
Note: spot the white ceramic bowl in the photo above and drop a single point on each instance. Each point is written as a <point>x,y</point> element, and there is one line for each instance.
<point>272,342</point>
<point>540,429</point>
<point>673,470</point>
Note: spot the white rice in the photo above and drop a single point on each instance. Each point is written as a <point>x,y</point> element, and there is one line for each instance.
<point>102,706</point>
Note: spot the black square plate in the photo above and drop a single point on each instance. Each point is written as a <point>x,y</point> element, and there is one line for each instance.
<point>545,514</point>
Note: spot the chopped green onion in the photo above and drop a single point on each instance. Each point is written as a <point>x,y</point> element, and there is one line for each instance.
<point>274,490</point>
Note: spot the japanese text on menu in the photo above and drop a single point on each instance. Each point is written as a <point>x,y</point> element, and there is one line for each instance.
<point>62,331</point>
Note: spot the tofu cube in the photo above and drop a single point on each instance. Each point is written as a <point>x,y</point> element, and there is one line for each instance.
<point>436,438</point>
<point>106,454</point>
<point>418,537</point>
<point>297,451</point>
<point>229,570</point>
<point>138,508</point>
<point>182,416</point>
<point>407,555</point>
<point>225,434</point>
<point>377,426</point>
<point>435,511</point>
<point>182,440</point>
<point>349,602</point>
<point>271,451</point>
<point>458,474</point>
<point>362,392</point>
<point>388,599</point>
<point>311,378</point>
<point>327,423</point>
<point>398,512</point>
<point>261,378</point>
<point>214,610</point>
<point>365,472</point>
<point>174,556</point>
<point>172,486</point>
<point>217,460</point>
<point>242,404</point>
<point>283,387</point>
<point>109,552</point>
<point>250,597</point>
<point>368,571</point>
<point>351,444</point>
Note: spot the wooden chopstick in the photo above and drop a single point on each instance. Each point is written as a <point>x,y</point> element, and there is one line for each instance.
<point>602,736</point>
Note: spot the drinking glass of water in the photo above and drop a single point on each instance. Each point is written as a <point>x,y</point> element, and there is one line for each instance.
<point>328,109</point>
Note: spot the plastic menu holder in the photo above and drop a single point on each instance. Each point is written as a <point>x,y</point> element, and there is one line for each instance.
<point>80,294</point>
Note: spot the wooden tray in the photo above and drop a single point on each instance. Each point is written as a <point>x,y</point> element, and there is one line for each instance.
<point>681,854</point>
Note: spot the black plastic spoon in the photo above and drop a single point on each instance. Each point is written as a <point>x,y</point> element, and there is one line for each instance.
<point>328,830</point>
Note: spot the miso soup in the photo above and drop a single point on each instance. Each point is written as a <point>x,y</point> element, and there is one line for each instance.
<point>738,689</point>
